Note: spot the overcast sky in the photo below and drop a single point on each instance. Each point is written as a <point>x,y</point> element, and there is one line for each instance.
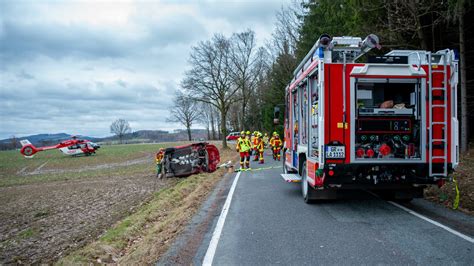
<point>76,66</point>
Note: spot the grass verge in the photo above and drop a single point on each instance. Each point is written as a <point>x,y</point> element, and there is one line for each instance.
<point>464,175</point>
<point>144,236</point>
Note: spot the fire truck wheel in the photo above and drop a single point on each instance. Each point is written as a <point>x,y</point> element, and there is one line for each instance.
<point>306,190</point>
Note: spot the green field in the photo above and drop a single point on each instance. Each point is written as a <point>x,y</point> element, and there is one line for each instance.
<point>53,165</point>
<point>73,199</point>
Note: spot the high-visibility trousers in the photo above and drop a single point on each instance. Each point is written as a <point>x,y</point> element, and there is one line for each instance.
<point>276,153</point>
<point>245,158</point>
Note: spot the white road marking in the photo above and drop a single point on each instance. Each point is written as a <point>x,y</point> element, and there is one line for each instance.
<point>211,250</point>
<point>452,231</point>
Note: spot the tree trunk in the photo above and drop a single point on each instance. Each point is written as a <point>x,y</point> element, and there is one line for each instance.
<point>433,34</point>
<point>244,106</point>
<point>390,23</point>
<point>462,61</point>
<point>188,128</point>
<point>419,29</point>
<point>208,132</point>
<point>223,128</point>
<point>213,126</point>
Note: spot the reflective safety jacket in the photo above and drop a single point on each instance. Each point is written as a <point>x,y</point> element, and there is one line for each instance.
<point>243,145</point>
<point>259,146</point>
<point>276,143</point>
<point>159,157</point>
<point>272,141</point>
<point>255,142</point>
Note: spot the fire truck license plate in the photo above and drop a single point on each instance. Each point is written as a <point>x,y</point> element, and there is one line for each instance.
<point>336,152</point>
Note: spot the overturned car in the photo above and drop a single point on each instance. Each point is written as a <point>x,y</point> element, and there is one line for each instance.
<point>186,160</point>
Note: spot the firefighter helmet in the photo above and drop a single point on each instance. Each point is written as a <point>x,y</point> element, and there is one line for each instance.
<point>248,132</point>
<point>242,132</point>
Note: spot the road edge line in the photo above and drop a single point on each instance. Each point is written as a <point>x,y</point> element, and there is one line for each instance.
<point>452,231</point>
<point>216,235</point>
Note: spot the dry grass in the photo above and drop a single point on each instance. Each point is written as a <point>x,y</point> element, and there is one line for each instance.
<point>144,236</point>
<point>464,176</point>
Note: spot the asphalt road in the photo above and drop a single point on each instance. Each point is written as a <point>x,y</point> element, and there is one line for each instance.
<point>268,223</point>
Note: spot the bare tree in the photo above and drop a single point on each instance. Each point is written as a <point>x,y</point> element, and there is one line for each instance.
<point>455,12</point>
<point>120,127</point>
<point>412,19</point>
<point>186,111</point>
<point>247,62</point>
<point>14,141</point>
<point>210,78</point>
<point>286,33</point>
<point>208,118</point>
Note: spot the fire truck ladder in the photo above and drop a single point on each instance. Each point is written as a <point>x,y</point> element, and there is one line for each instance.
<point>441,91</point>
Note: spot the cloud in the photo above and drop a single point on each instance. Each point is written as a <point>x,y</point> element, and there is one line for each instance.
<point>77,66</point>
<point>25,41</point>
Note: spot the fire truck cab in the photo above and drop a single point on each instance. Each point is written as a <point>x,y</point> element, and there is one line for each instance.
<point>386,123</point>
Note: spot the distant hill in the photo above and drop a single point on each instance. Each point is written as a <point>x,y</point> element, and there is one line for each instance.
<point>42,139</point>
<point>141,136</point>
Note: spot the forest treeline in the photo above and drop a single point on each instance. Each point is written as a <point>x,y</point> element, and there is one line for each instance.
<point>235,84</point>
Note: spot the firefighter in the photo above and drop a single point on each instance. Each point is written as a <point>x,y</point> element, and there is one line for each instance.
<point>255,142</point>
<point>252,138</point>
<point>159,163</point>
<point>265,140</point>
<point>260,148</point>
<point>243,147</point>
<point>276,147</point>
<point>272,140</point>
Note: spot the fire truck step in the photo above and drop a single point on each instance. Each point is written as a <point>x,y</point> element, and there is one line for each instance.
<point>438,106</point>
<point>438,123</point>
<point>291,178</point>
<point>438,157</point>
<point>438,88</point>
<point>437,71</point>
<point>443,140</point>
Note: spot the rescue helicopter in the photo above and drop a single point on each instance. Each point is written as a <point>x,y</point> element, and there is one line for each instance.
<point>73,147</point>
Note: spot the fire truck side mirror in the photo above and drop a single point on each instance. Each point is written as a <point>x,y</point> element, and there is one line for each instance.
<point>276,115</point>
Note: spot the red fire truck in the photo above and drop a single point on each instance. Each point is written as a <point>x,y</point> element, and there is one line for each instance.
<point>388,123</point>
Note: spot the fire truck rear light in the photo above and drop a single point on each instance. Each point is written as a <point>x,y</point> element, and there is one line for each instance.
<point>360,152</point>
<point>331,173</point>
<point>385,149</point>
<point>370,153</point>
